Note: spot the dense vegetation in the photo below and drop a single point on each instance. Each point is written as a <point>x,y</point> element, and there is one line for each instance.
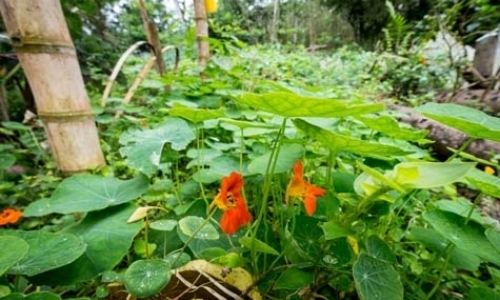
<point>285,169</point>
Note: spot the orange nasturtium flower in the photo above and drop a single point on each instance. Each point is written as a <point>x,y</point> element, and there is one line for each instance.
<point>10,216</point>
<point>299,188</point>
<point>231,201</point>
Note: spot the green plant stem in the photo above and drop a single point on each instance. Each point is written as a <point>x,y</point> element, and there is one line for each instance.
<point>199,135</point>
<point>448,251</point>
<point>273,158</point>
<point>462,148</point>
<point>146,240</point>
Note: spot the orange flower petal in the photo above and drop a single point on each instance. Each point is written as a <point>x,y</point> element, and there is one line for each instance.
<point>233,219</point>
<point>310,204</point>
<point>10,215</point>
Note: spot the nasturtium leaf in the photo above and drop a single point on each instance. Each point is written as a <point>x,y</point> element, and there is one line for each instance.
<point>304,246</point>
<point>288,155</point>
<point>469,237</point>
<point>177,259</point>
<point>437,243</point>
<point>46,251</point>
<point>483,293</point>
<point>462,207</point>
<point>294,278</point>
<point>473,122</point>
<point>163,225</point>
<point>195,115</point>
<point>337,142</point>
<point>142,147</point>
<point>257,245</point>
<point>249,124</point>
<point>198,228</point>
<point>493,235</point>
<point>376,279</point>
<point>424,175</point>
<point>42,296</point>
<point>13,250</point>
<point>486,183</point>
<point>83,193</point>
<point>145,278</point>
<point>377,248</point>
<point>333,229</point>
<point>108,237</point>
<point>294,105</point>
<point>391,127</point>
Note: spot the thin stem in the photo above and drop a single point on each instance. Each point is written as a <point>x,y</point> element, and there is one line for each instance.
<point>462,148</point>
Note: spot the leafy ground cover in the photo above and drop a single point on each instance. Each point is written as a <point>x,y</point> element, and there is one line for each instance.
<point>285,169</point>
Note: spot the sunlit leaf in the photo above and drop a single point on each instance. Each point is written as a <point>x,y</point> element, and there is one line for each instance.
<point>473,122</point>
<point>83,193</point>
<point>376,279</point>
<point>163,225</point>
<point>142,147</point>
<point>294,105</point>
<point>424,175</point>
<point>486,183</point>
<point>337,142</point>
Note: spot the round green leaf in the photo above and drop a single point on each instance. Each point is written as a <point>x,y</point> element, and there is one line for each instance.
<point>13,250</point>
<point>163,225</point>
<point>288,155</point>
<point>145,278</point>
<point>376,279</point>
<point>46,251</point>
<point>83,193</point>
<point>195,115</point>
<point>377,248</point>
<point>198,228</point>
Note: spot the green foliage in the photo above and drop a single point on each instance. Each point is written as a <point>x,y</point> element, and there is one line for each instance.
<point>389,224</point>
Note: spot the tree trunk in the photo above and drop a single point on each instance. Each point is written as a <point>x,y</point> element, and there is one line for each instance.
<point>275,21</point>
<point>200,17</point>
<point>40,36</point>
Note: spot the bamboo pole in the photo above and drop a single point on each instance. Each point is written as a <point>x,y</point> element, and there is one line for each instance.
<point>40,36</point>
<point>200,17</point>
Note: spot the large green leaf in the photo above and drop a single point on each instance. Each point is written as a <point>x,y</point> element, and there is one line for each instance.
<point>293,105</point>
<point>142,148</point>
<point>486,183</point>
<point>377,248</point>
<point>376,279</point>
<point>13,250</point>
<point>46,251</point>
<point>145,278</point>
<point>470,237</point>
<point>288,155</point>
<point>437,243</point>
<point>424,175</point>
<point>195,115</point>
<point>108,237</point>
<point>6,160</point>
<point>483,293</point>
<point>83,193</point>
<point>294,278</point>
<point>337,142</point>
<point>475,123</point>
<point>391,127</point>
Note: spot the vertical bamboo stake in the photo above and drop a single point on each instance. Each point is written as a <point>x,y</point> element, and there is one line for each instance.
<point>40,37</point>
<point>200,17</point>
<point>153,37</point>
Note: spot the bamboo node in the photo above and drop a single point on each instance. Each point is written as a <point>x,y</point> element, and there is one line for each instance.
<point>65,117</point>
